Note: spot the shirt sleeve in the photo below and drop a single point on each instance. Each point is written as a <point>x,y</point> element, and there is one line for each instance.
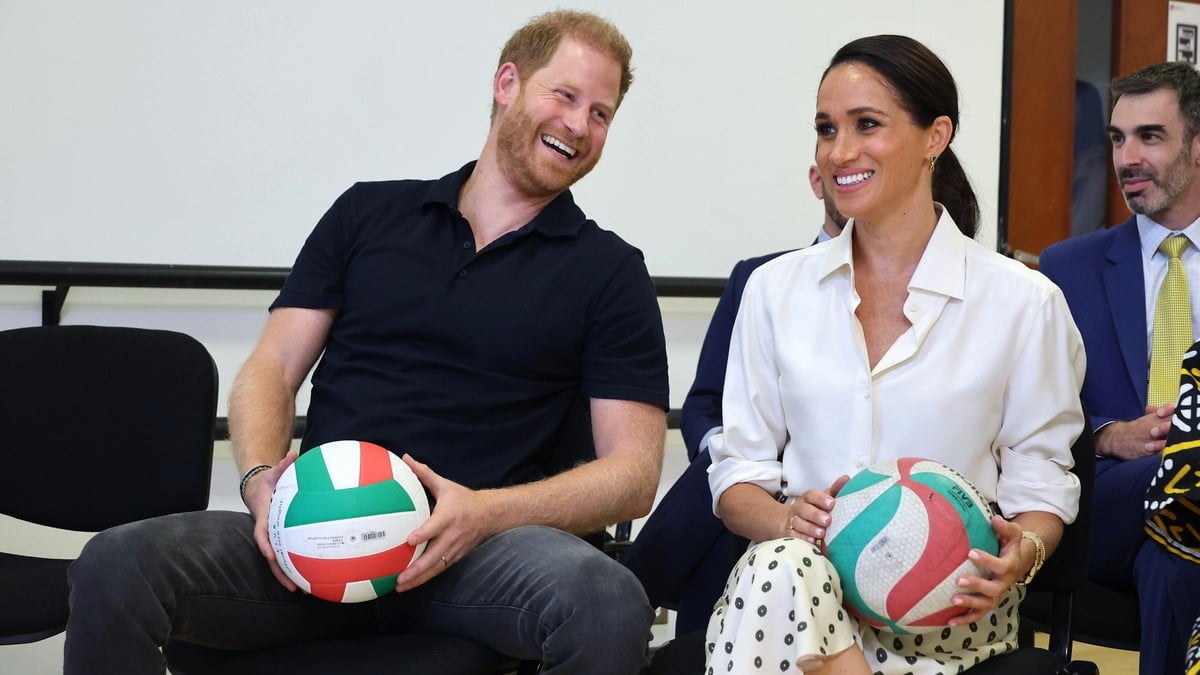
<point>317,278</point>
<point>1043,416</point>
<point>625,354</point>
<point>747,450</point>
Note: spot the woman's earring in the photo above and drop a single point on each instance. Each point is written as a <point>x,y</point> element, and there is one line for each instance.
<point>932,162</point>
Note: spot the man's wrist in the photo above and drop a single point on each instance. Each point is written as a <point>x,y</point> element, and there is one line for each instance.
<point>250,473</point>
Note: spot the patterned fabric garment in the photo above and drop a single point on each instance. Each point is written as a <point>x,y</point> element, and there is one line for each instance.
<point>1172,505</point>
<point>782,607</point>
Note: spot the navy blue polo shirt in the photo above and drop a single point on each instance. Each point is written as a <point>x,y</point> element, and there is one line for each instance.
<point>471,360</point>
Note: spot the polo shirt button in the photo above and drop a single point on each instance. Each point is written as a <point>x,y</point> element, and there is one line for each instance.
<point>466,244</point>
<point>462,273</point>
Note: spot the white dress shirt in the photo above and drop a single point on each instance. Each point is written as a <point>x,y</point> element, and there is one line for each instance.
<point>985,380</point>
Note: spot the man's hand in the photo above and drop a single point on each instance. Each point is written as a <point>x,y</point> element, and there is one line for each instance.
<point>1146,435</point>
<point>258,500</point>
<point>461,519</point>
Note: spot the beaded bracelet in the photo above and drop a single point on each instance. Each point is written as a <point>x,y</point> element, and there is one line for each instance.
<point>248,475</point>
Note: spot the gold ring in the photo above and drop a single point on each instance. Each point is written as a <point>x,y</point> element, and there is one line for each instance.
<point>445,562</point>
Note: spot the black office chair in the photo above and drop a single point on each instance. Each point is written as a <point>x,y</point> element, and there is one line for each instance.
<point>1059,579</point>
<point>102,426</point>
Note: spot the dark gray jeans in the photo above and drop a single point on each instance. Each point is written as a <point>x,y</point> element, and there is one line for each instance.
<point>529,593</point>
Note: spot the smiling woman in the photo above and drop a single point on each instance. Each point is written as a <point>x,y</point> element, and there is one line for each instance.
<point>915,315</point>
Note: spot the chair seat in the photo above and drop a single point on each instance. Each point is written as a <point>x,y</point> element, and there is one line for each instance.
<point>1102,616</point>
<point>38,586</point>
<point>405,652</point>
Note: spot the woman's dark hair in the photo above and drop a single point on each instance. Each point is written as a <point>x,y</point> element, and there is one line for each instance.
<point>925,89</point>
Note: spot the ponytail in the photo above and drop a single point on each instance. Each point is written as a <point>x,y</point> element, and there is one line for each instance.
<point>952,189</point>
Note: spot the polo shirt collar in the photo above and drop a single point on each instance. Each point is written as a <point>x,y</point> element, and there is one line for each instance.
<point>560,218</point>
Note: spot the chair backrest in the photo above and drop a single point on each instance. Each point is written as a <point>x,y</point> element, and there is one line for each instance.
<point>104,425</point>
<point>1066,571</point>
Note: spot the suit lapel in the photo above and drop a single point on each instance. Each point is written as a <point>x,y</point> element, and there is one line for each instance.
<point>1125,289</point>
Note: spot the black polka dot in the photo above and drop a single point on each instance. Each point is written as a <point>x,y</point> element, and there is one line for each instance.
<point>802,626</point>
<point>739,603</point>
<point>832,628</point>
<point>973,626</point>
<point>910,660</point>
<point>816,601</point>
<point>779,549</point>
<point>945,631</point>
<point>993,619</point>
<point>792,614</point>
<point>758,662</point>
<point>773,565</point>
<point>966,643</point>
<point>729,667</point>
<point>762,610</point>
<point>918,639</point>
<point>758,635</point>
<point>712,647</point>
<point>991,636</point>
<point>784,666</point>
<point>728,647</point>
<point>807,561</point>
<point>841,616</point>
<point>881,655</point>
<point>897,644</point>
<point>827,587</point>
<point>766,587</point>
<point>751,559</point>
<point>789,639</point>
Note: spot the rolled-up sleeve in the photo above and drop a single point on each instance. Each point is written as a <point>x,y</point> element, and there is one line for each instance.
<point>1043,416</point>
<point>747,451</point>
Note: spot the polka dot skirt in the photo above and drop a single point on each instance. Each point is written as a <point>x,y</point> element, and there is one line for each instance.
<point>782,606</point>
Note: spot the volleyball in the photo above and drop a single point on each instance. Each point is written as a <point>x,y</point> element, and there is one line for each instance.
<point>340,518</point>
<point>899,539</point>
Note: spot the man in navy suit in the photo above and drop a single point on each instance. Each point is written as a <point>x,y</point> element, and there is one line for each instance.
<point>1111,280</point>
<point>683,553</point>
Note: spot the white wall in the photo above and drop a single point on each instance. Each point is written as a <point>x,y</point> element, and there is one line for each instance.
<point>218,132</point>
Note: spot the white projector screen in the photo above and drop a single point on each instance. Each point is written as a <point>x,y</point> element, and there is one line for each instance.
<point>218,132</point>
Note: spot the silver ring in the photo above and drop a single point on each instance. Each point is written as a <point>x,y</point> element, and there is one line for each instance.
<point>445,562</point>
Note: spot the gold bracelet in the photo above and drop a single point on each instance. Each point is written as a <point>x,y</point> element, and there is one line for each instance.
<point>1039,556</point>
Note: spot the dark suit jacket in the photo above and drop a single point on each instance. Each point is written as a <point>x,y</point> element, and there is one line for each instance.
<point>702,407</point>
<point>1101,276</point>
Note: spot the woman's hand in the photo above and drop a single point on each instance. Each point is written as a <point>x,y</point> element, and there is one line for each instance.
<point>808,516</point>
<point>983,594</point>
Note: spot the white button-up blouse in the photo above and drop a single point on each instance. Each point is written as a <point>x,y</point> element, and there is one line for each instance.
<point>986,379</point>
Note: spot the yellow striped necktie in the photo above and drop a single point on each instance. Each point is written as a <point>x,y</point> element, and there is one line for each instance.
<point>1172,325</point>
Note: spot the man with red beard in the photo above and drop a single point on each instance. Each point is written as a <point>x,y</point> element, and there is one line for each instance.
<point>481,326</point>
<point>1112,281</point>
